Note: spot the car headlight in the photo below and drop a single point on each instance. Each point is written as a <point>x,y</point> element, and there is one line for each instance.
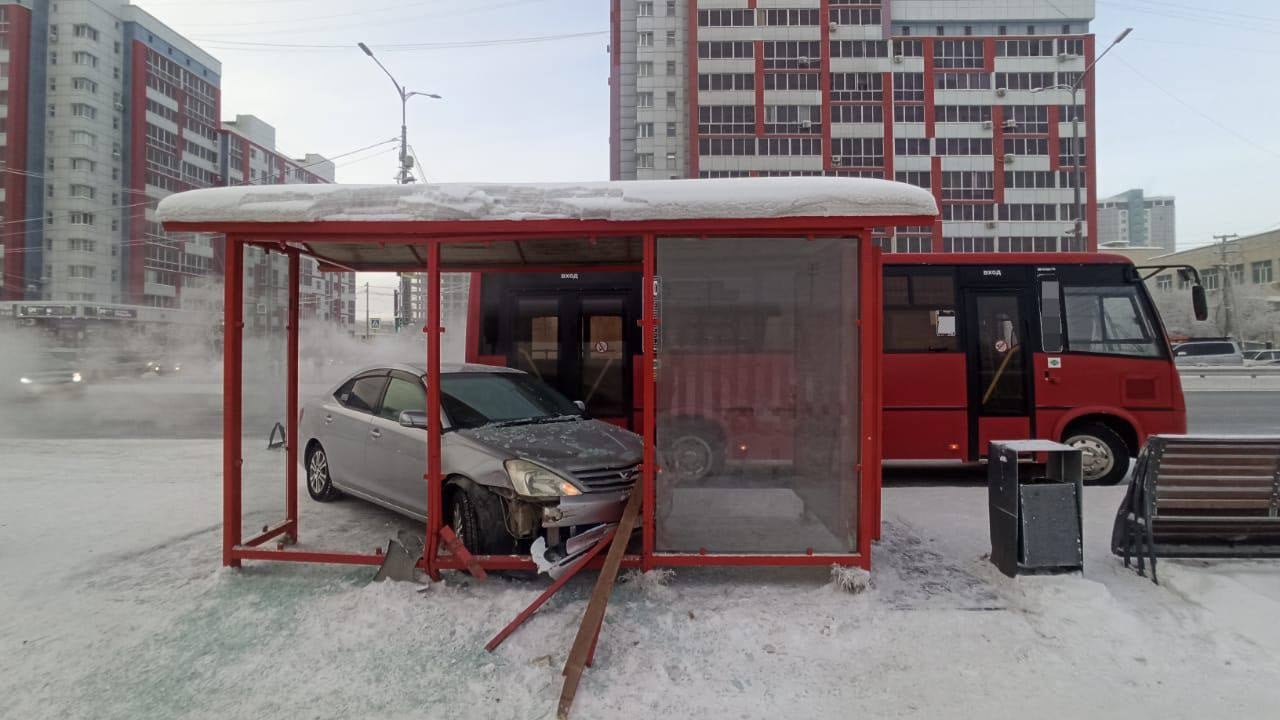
<point>24,380</point>
<point>75,377</point>
<point>532,480</point>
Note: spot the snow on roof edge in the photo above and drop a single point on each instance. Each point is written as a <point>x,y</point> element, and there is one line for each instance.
<point>720,198</point>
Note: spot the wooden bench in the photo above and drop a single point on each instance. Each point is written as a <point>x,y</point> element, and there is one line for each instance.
<point>1201,497</point>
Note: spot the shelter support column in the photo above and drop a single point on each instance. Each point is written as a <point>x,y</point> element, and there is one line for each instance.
<point>232,361</point>
<point>435,500</point>
<point>291,403</point>
<point>649,465</point>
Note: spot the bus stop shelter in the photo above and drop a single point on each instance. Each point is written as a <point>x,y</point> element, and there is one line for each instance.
<point>743,279</point>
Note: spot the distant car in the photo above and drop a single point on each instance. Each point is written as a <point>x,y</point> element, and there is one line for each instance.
<point>1261,357</point>
<point>51,376</point>
<point>518,457</point>
<point>1219,351</point>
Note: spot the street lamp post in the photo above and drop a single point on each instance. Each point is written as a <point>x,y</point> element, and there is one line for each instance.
<point>406,162</point>
<point>1077,171</point>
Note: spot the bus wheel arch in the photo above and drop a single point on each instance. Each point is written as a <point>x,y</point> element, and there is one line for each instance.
<point>1108,443</point>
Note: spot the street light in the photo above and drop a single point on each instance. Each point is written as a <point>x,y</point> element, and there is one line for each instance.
<point>1075,131</point>
<point>405,161</point>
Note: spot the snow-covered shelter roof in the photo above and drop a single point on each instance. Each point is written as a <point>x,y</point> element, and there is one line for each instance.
<point>367,227</point>
<point>616,201</point>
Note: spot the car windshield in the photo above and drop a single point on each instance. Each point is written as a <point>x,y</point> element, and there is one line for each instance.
<point>475,399</point>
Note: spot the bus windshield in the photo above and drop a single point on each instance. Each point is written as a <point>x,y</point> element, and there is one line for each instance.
<point>1109,319</point>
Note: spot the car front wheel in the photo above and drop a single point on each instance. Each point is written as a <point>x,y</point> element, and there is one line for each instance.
<point>477,518</point>
<point>319,484</point>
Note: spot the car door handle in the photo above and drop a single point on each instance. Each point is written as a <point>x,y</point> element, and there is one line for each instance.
<point>328,419</point>
<point>375,433</point>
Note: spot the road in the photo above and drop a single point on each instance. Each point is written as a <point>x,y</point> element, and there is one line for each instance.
<point>173,408</point>
<point>1233,412</point>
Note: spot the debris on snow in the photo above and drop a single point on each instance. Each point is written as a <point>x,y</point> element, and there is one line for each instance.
<point>652,583</point>
<point>850,579</point>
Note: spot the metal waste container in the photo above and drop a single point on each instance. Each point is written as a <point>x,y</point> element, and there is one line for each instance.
<point>1035,510</point>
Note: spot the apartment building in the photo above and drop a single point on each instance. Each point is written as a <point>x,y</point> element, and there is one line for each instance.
<point>1134,219</point>
<point>104,111</point>
<point>971,100</point>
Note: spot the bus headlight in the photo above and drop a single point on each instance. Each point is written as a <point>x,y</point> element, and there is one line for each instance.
<point>532,480</point>
<point>75,377</point>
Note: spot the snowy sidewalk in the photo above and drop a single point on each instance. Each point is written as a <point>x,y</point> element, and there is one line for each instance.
<point>112,605</point>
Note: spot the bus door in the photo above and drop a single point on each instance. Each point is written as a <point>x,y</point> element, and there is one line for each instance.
<point>577,342</point>
<point>998,356</point>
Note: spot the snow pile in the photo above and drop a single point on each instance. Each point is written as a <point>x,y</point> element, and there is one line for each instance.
<point>618,201</point>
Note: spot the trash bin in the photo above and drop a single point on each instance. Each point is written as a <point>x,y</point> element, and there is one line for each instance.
<point>1035,511</point>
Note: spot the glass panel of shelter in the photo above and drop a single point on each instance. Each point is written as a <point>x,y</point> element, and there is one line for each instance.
<point>757,372</point>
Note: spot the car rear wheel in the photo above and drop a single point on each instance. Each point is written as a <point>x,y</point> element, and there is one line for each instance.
<point>476,516</point>
<point>1104,454</point>
<point>319,484</point>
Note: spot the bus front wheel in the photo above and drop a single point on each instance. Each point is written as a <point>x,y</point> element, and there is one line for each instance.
<point>1104,454</point>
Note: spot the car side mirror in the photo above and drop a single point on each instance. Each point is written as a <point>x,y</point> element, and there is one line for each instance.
<point>413,419</point>
<point>581,405</point>
<point>1199,303</point>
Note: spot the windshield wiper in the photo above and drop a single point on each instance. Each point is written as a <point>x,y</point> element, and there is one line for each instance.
<point>534,420</point>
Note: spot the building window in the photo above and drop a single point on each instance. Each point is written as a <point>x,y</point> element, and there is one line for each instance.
<point>645,39</point>
<point>644,69</point>
<point>644,161</point>
<point>644,99</point>
<point>863,113</point>
<point>1237,274</point>
<point>644,130</point>
<point>85,31</point>
<point>1028,212</point>
<point>860,48</point>
<point>1002,30</point>
<point>83,164</point>
<point>735,81</point>
<point>671,67</point>
<point>80,218</point>
<point>80,271</point>
<point>857,152</point>
<point>1024,81</point>
<point>962,113</point>
<point>726,119</point>
<point>789,17</point>
<point>790,146</point>
<point>671,161</point>
<point>82,244</point>
<point>1031,29</point>
<point>84,111</point>
<point>671,38</point>
<point>790,81</point>
<point>83,137</point>
<point>671,129</point>
<point>907,114</point>
<point>791,119</point>
<point>83,83</point>
<point>671,98</point>
<point>857,86</point>
<point>644,9</point>
<point>911,146</point>
<point>83,191</point>
<point>1164,283</point>
<point>1261,272</point>
<point>1024,48</point>
<point>963,146</point>
<point>967,212</point>
<point>953,54</point>
<point>918,178</point>
<point>671,8</point>
<point>968,185</point>
<point>726,49</point>
<point>962,81</point>
<point>727,146</point>
<point>727,18</point>
<point>80,57</point>
<point>792,54</point>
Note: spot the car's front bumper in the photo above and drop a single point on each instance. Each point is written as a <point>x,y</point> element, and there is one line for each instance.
<point>585,509</point>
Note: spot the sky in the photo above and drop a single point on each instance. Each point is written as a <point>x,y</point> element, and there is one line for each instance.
<point>1186,104</point>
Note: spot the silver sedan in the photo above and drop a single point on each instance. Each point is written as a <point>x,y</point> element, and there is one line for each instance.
<point>520,460</point>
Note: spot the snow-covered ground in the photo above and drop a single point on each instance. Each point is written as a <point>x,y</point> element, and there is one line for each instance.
<point>112,605</point>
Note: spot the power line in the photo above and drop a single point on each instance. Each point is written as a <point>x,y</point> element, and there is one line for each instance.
<point>1197,111</point>
<point>403,47</point>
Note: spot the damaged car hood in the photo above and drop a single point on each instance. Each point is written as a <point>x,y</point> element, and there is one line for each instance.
<point>569,445</point>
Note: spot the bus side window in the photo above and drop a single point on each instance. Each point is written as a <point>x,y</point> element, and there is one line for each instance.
<point>919,312</point>
<point>1050,316</point>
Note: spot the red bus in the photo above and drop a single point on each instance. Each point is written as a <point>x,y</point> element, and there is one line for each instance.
<point>977,347</point>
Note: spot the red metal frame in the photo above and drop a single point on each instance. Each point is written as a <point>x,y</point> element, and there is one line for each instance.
<point>431,236</point>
